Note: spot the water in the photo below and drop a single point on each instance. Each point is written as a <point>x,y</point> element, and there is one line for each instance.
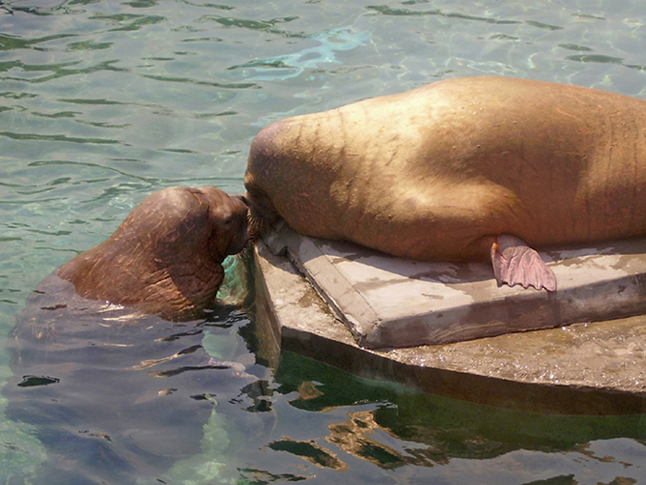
<point>104,102</point>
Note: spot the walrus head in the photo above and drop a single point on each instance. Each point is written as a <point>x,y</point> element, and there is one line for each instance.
<point>166,257</point>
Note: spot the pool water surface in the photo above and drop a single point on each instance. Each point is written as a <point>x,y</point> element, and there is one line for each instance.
<point>105,102</point>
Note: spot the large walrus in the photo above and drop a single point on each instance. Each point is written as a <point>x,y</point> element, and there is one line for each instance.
<point>108,358</point>
<point>459,170</point>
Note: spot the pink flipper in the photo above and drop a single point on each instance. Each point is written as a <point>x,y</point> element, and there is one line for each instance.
<point>515,263</point>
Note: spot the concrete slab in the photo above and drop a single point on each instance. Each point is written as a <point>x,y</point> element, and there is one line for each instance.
<point>392,302</point>
<point>588,368</point>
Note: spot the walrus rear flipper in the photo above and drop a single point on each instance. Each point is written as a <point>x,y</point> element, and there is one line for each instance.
<point>515,263</point>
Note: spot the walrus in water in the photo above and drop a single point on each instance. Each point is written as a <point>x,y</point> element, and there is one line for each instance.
<point>460,170</point>
<point>166,257</point>
<point>108,358</point>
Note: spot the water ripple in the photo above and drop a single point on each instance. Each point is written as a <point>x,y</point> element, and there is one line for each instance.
<point>88,45</point>
<point>8,42</point>
<point>58,70</point>
<point>207,5</point>
<point>62,138</point>
<point>202,83</point>
<point>386,10</point>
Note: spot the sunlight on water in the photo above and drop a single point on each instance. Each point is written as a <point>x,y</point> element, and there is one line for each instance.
<point>103,103</point>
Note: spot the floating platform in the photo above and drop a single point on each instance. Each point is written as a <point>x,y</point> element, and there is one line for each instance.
<point>449,329</point>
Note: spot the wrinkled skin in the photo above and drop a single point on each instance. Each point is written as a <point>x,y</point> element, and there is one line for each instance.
<point>166,257</point>
<point>460,170</point>
<point>108,368</point>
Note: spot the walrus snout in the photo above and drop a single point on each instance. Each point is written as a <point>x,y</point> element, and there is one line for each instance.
<point>252,232</point>
<point>229,216</point>
<point>261,211</point>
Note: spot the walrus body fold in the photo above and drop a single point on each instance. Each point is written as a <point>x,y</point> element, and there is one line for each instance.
<point>460,170</point>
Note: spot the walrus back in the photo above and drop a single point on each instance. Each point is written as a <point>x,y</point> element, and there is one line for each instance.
<point>428,173</point>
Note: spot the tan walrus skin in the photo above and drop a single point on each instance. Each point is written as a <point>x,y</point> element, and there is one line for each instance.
<point>460,170</point>
<point>166,257</point>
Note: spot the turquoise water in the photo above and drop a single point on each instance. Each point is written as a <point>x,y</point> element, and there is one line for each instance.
<point>104,102</point>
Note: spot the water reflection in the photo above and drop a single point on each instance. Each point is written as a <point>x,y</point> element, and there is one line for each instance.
<point>391,428</point>
<point>116,397</point>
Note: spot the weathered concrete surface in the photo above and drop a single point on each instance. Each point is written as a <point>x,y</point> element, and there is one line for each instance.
<point>391,302</point>
<point>588,368</point>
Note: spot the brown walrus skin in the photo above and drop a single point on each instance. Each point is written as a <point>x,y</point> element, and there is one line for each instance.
<point>460,170</point>
<point>166,257</point>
